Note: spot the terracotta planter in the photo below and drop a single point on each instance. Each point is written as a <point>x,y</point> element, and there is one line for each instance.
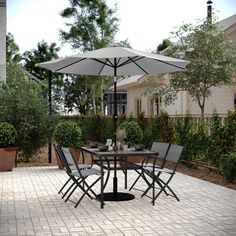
<point>7,158</point>
<point>75,153</point>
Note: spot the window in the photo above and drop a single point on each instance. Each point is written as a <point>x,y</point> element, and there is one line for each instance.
<point>138,106</point>
<point>158,105</point>
<point>151,107</point>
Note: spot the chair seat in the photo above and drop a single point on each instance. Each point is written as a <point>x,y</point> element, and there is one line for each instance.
<point>158,169</point>
<point>81,166</point>
<point>86,172</point>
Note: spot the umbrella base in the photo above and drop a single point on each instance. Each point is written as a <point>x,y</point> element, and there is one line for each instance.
<point>119,197</point>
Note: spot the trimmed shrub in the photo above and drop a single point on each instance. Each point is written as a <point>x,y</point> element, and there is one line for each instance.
<point>8,135</point>
<point>228,164</point>
<point>68,134</point>
<point>133,131</point>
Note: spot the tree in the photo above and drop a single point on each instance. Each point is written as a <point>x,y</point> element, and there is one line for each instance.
<point>165,44</point>
<point>22,106</point>
<point>45,52</point>
<point>212,57</point>
<point>12,50</point>
<point>78,94</point>
<point>92,25</point>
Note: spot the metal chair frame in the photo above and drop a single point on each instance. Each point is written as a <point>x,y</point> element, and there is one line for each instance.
<point>173,156</point>
<point>161,149</point>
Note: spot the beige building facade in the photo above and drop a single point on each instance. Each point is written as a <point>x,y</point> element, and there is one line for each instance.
<point>222,98</point>
<point>2,41</point>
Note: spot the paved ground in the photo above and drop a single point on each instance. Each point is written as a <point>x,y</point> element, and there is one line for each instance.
<point>30,205</point>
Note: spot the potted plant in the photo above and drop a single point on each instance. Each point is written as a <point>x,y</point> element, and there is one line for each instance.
<point>134,135</point>
<point>121,137</point>
<point>68,134</point>
<point>8,150</point>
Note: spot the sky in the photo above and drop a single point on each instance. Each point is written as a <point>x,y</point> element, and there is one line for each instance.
<point>144,23</point>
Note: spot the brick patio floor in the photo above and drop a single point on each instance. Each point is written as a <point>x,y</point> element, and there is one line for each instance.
<point>30,205</point>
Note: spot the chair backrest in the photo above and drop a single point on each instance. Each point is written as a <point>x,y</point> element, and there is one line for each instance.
<point>174,153</point>
<point>161,149</point>
<point>58,152</point>
<point>68,156</point>
<point>62,157</point>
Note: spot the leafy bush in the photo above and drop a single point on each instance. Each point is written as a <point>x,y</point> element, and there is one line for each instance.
<point>68,134</point>
<point>8,135</point>
<point>23,106</point>
<point>228,164</point>
<point>162,128</point>
<point>192,136</point>
<point>107,128</point>
<point>222,137</point>
<point>133,131</point>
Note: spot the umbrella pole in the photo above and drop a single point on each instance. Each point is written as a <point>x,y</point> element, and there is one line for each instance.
<point>50,112</point>
<point>115,111</point>
<point>115,185</point>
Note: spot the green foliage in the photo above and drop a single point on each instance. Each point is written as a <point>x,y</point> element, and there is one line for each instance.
<point>212,57</point>
<point>107,130</point>
<point>78,94</point>
<point>8,135</point>
<point>12,50</point>
<point>133,131</point>
<point>44,52</point>
<point>92,24</point>
<point>193,137</point>
<point>165,44</point>
<point>228,164</point>
<point>68,134</point>
<point>214,150</point>
<point>141,120</point>
<point>222,137</point>
<point>22,106</point>
<point>162,128</point>
<point>230,131</point>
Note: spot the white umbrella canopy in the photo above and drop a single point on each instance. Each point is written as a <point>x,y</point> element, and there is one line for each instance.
<point>115,60</point>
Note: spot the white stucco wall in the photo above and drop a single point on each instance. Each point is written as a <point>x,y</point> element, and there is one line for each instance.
<point>2,40</point>
<point>221,100</point>
<point>135,93</point>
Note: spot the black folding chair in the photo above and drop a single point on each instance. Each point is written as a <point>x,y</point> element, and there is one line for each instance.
<point>72,167</point>
<point>173,158</point>
<point>79,176</point>
<point>161,149</point>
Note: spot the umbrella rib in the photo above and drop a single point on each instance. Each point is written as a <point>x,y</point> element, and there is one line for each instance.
<point>129,61</point>
<point>103,64</point>
<point>61,68</point>
<point>170,64</point>
<point>139,58</point>
<point>134,61</point>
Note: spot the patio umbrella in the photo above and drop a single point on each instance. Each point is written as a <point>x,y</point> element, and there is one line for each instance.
<point>115,60</point>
